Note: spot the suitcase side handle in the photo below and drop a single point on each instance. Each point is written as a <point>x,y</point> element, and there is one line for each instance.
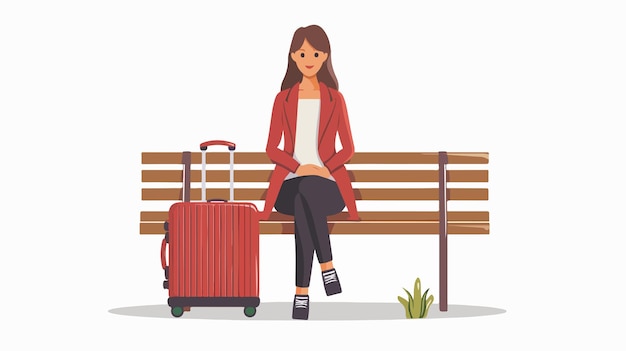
<point>163,246</point>
<point>231,145</point>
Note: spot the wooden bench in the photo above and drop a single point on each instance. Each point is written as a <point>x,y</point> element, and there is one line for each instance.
<point>378,177</point>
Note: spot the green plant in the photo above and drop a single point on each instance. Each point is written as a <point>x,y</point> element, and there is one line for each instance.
<point>417,305</point>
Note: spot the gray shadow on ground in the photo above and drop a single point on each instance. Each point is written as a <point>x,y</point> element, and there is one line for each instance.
<point>319,311</point>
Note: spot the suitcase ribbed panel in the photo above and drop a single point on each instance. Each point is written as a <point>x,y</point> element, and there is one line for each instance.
<point>246,259</point>
<point>239,238</point>
<point>242,254</point>
<point>223,230</point>
<point>214,250</point>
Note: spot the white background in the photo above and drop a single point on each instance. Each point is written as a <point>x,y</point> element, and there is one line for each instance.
<point>86,86</point>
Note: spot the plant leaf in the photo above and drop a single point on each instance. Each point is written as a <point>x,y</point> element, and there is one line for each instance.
<point>404,303</point>
<point>411,304</point>
<point>417,288</point>
<point>423,304</point>
<point>417,293</point>
<point>429,302</point>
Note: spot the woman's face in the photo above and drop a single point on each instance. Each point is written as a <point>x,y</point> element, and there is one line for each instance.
<point>308,60</point>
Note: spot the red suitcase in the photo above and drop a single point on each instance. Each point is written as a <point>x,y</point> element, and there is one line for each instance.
<point>213,248</point>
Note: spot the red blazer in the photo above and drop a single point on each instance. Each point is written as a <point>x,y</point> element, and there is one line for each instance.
<point>333,121</point>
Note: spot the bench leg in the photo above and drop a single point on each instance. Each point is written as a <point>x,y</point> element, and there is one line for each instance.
<point>443,231</point>
<point>443,271</point>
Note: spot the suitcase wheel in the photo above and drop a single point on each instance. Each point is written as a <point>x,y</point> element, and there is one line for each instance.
<point>249,311</point>
<point>177,311</point>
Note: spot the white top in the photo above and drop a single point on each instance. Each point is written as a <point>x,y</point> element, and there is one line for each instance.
<point>307,128</point>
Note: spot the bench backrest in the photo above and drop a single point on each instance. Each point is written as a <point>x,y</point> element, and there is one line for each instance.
<point>378,177</point>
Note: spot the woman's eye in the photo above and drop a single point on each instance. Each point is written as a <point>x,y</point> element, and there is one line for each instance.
<point>302,54</point>
<point>317,54</point>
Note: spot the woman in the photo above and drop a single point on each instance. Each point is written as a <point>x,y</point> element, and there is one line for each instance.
<point>310,181</point>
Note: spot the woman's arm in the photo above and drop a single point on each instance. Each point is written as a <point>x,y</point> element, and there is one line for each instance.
<point>345,136</point>
<point>277,130</point>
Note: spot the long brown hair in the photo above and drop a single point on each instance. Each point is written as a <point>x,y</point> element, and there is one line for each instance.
<point>316,36</point>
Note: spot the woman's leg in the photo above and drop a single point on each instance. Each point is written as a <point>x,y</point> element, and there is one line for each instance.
<point>290,202</point>
<point>321,198</point>
<point>310,200</point>
<point>304,243</point>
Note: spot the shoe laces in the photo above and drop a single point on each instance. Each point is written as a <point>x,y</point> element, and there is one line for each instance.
<point>301,302</point>
<point>330,277</point>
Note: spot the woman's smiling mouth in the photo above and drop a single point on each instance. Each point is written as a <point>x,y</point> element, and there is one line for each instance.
<point>308,67</point>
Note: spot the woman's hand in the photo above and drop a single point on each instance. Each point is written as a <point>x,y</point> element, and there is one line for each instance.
<point>354,218</point>
<point>265,215</point>
<point>311,169</point>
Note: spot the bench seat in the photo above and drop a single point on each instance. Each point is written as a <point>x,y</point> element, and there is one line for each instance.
<point>370,223</point>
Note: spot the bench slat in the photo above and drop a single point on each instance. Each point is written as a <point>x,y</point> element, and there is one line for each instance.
<point>363,227</point>
<point>174,194</point>
<point>418,158</point>
<point>358,158</point>
<point>462,216</point>
<point>384,228</point>
<point>212,158</point>
<point>167,176</point>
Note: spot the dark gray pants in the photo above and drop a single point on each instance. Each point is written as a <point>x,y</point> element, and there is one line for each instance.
<point>310,199</point>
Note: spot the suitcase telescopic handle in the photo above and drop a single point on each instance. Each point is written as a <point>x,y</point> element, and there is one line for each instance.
<point>231,148</point>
